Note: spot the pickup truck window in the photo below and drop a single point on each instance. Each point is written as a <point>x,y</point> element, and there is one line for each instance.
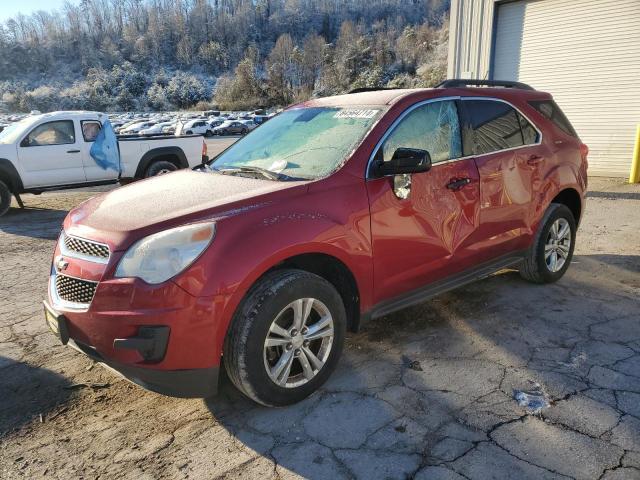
<point>433,127</point>
<point>90,130</point>
<point>51,133</point>
<point>302,142</point>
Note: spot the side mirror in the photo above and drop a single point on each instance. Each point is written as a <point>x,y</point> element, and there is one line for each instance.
<point>404,161</point>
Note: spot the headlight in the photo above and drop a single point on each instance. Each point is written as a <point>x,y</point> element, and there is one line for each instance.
<point>163,255</point>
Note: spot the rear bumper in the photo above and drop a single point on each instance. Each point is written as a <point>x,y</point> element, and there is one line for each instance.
<point>189,383</point>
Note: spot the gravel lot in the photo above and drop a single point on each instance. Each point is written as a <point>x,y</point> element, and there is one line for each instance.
<point>426,393</point>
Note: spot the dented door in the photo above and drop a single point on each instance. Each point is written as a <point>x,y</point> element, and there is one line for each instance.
<point>424,230</point>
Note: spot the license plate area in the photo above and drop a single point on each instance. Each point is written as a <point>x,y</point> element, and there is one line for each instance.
<point>57,323</point>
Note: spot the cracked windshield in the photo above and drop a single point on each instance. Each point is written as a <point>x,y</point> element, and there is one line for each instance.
<point>305,143</point>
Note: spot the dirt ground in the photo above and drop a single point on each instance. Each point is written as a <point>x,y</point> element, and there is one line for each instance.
<point>427,393</point>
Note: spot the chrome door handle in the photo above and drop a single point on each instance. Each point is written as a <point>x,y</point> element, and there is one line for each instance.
<point>458,184</point>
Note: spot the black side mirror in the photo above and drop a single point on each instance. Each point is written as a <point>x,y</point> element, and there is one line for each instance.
<point>406,160</point>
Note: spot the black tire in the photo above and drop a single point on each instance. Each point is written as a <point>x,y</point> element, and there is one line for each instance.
<point>244,356</point>
<point>160,167</point>
<point>189,132</point>
<point>534,268</point>
<point>208,133</point>
<point>5,198</point>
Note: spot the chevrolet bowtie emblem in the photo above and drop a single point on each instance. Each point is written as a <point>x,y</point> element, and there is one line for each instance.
<point>61,264</point>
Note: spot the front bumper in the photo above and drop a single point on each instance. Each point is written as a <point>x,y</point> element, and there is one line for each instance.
<point>185,383</point>
<point>190,383</point>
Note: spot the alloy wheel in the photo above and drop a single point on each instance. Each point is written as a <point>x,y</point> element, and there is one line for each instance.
<point>558,245</point>
<point>298,343</point>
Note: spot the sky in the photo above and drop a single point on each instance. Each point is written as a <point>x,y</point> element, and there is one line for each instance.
<point>10,8</point>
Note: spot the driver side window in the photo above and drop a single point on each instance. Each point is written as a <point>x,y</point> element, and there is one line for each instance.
<point>433,127</point>
<point>51,133</point>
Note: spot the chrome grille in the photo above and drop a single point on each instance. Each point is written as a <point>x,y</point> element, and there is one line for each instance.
<point>74,290</point>
<point>85,247</point>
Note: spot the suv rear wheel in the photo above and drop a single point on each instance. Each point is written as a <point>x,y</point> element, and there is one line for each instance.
<point>552,250</point>
<point>5,198</point>
<point>286,337</point>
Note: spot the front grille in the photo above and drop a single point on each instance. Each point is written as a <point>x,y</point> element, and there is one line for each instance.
<point>86,247</point>
<point>74,290</point>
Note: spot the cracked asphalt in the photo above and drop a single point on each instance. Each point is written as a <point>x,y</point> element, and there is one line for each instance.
<point>426,393</point>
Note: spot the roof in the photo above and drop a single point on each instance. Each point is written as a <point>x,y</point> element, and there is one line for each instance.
<point>387,97</point>
<point>69,114</point>
<point>374,97</point>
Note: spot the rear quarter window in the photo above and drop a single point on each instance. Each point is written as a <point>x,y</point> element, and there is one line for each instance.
<point>551,111</point>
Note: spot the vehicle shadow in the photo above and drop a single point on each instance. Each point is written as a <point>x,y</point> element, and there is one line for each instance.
<point>26,393</point>
<point>430,385</point>
<point>33,222</point>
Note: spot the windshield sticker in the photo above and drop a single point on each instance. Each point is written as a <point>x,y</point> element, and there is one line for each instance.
<point>356,114</point>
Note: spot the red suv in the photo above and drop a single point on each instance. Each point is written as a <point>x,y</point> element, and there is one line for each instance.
<point>337,210</point>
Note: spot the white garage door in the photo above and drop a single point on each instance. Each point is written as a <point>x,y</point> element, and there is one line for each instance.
<point>586,53</point>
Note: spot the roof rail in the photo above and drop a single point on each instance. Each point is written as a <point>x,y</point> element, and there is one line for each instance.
<point>461,82</point>
<point>369,89</point>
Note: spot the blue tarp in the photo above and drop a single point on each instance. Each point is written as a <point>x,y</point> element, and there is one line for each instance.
<point>105,149</point>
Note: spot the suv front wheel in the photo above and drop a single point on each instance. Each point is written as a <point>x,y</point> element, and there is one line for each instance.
<point>550,255</point>
<point>286,337</point>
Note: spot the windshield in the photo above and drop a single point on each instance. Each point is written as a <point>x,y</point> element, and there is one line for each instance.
<point>12,132</point>
<point>304,143</point>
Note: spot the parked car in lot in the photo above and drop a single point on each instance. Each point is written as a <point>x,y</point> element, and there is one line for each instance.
<point>336,211</point>
<point>249,123</point>
<point>169,129</point>
<point>194,127</point>
<point>231,127</point>
<point>52,152</point>
<point>137,127</point>
<point>156,129</point>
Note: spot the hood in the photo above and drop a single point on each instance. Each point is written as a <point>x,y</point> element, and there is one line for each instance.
<point>170,199</point>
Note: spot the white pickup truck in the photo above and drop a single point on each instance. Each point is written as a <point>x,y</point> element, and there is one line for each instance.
<point>52,152</point>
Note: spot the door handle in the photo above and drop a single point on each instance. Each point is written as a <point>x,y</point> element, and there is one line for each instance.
<point>456,185</point>
<point>533,159</point>
<point>73,151</point>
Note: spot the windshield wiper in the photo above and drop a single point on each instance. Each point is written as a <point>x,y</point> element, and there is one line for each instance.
<point>252,169</point>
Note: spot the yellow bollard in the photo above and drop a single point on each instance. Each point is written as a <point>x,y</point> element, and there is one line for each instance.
<point>634,175</point>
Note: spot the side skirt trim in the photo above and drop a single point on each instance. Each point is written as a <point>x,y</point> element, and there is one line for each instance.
<point>441,286</point>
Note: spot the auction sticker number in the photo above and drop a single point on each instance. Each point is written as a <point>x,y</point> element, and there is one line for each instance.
<point>355,114</point>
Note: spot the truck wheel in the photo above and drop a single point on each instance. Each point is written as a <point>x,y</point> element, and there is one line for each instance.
<point>285,338</point>
<point>550,255</point>
<point>160,167</point>
<point>5,198</point>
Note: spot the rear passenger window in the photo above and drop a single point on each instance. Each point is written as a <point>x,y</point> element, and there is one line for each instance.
<point>529,133</point>
<point>495,125</point>
<point>433,127</point>
<point>551,110</point>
